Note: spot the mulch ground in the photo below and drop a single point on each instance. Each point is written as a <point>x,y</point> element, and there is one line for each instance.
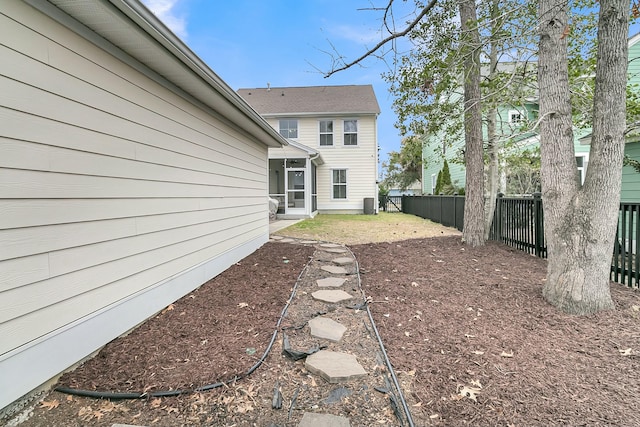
<point>466,329</point>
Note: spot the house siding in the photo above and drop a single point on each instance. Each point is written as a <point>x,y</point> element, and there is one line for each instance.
<point>116,197</point>
<point>360,161</point>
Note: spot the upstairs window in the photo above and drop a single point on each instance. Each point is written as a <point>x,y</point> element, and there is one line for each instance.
<point>516,116</point>
<point>350,132</point>
<point>326,133</point>
<point>289,128</point>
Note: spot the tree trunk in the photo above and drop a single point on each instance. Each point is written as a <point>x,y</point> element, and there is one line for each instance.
<point>492,115</point>
<point>580,222</point>
<point>473,227</point>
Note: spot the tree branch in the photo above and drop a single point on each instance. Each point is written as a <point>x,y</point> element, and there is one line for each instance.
<point>391,37</point>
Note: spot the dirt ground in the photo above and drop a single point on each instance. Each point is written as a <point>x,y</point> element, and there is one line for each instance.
<point>466,329</point>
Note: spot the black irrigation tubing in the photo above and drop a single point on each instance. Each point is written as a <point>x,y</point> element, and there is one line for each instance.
<point>384,352</point>
<point>171,393</point>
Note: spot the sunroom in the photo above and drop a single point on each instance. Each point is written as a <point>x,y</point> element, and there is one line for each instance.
<point>292,180</point>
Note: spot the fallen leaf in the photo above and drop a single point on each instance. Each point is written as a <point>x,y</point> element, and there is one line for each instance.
<point>469,392</point>
<point>411,372</point>
<point>49,405</point>
<point>155,403</point>
<point>626,352</point>
<point>434,416</point>
<point>243,305</point>
<point>478,352</point>
<point>417,405</point>
<point>98,415</point>
<point>407,334</point>
<point>85,410</point>
<point>169,308</point>
<point>505,354</point>
<point>476,383</point>
<point>635,307</point>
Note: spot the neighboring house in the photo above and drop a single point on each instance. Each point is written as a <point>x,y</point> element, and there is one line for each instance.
<point>130,175</point>
<point>509,119</point>
<point>630,190</point>
<point>331,163</point>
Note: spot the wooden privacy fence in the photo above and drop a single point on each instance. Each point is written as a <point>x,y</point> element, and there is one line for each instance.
<point>519,222</point>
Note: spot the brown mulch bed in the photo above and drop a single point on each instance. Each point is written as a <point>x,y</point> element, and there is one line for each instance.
<point>467,330</point>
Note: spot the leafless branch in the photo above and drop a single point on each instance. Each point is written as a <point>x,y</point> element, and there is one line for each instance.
<point>392,36</point>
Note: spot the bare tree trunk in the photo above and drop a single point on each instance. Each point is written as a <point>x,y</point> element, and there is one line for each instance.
<point>473,228</point>
<point>492,115</point>
<point>580,222</point>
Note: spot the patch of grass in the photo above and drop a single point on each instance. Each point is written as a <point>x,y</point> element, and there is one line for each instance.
<point>355,229</point>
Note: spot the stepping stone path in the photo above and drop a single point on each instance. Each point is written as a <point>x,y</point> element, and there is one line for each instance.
<point>334,367</point>
<point>332,296</point>
<point>344,354</point>
<point>323,327</point>
<point>342,261</point>
<point>330,282</point>
<point>334,269</point>
<point>310,419</point>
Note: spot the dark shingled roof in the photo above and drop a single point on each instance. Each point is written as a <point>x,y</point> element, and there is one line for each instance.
<point>352,99</point>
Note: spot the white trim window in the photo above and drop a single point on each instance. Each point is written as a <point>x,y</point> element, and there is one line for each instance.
<point>288,128</point>
<point>434,181</point>
<point>350,132</point>
<point>582,161</point>
<point>516,116</point>
<point>338,184</point>
<point>326,133</point>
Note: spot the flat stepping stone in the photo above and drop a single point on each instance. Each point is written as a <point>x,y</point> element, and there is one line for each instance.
<point>274,238</point>
<point>330,295</point>
<point>287,240</point>
<point>336,250</point>
<point>309,242</point>
<point>310,419</point>
<point>333,269</point>
<point>343,260</point>
<point>329,329</point>
<point>334,366</point>
<point>331,282</point>
<point>330,245</point>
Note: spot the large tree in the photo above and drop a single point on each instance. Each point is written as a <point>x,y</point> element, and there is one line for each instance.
<point>580,220</point>
<point>404,167</point>
<point>473,228</point>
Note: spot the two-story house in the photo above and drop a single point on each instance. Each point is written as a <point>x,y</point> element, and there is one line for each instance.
<point>331,163</point>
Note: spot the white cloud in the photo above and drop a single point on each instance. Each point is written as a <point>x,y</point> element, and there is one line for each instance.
<point>357,35</point>
<point>164,10</point>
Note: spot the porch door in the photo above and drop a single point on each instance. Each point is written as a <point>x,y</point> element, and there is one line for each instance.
<point>295,197</point>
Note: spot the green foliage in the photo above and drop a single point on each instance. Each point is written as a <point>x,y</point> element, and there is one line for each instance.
<point>443,182</point>
<point>628,161</point>
<point>438,183</point>
<point>404,168</point>
<point>523,172</point>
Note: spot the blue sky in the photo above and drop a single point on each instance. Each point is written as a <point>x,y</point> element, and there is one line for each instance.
<point>250,43</point>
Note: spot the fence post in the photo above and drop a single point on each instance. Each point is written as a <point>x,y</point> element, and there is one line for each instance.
<point>497,219</point>
<point>537,220</point>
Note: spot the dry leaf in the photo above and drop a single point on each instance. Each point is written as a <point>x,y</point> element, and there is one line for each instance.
<point>626,352</point>
<point>407,334</point>
<point>434,416</point>
<point>155,403</point>
<point>469,392</point>
<point>635,307</point>
<point>243,305</point>
<point>478,352</point>
<point>412,372</point>
<point>417,405</point>
<point>49,405</point>
<point>505,354</point>
<point>476,383</point>
<point>169,308</point>
<point>98,415</point>
<point>85,410</point>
